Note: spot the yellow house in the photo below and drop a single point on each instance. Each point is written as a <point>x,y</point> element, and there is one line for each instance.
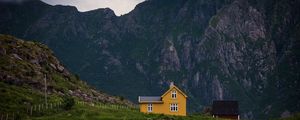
<point>172,102</point>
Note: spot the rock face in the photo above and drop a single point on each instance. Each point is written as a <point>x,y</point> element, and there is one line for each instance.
<point>170,60</point>
<point>225,49</point>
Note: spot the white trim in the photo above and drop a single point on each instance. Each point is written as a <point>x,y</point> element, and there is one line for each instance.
<point>174,107</point>
<point>149,107</point>
<point>174,92</point>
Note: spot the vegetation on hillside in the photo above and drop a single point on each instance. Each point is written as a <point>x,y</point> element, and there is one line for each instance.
<point>27,67</point>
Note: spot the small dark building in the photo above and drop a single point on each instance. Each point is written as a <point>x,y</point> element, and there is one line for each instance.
<point>226,109</point>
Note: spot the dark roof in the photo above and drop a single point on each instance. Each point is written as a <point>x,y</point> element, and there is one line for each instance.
<point>225,108</point>
<point>149,98</point>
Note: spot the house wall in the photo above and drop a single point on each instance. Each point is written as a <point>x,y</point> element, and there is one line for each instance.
<point>180,100</point>
<point>164,108</point>
<point>157,108</point>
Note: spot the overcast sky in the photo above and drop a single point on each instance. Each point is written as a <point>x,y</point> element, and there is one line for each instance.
<point>120,7</point>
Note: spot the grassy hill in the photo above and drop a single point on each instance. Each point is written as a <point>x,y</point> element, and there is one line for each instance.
<point>27,67</point>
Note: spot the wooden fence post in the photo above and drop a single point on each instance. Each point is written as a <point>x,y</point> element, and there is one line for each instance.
<point>6,116</point>
<point>39,108</point>
<point>31,110</point>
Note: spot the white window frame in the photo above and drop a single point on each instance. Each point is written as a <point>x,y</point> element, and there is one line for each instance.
<point>174,94</point>
<point>149,107</point>
<point>174,107</point>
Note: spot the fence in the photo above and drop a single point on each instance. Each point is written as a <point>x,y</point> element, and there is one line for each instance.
<point>40,109</point>
<point>108,106</point>
<point>30,110</point>
<point>7,116</point>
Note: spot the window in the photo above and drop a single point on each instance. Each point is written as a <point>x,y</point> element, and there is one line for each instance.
<point>173,94</point>
<point>149,108</point>
<point>174,107</point>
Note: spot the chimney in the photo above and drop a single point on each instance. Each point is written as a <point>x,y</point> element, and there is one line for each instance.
<point>171,84</point>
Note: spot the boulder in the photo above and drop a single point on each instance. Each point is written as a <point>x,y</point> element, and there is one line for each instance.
<point>60,68</point>
<point>17,56</point>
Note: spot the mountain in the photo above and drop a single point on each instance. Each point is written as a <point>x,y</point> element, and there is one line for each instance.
<point>26,67</point>
<point>245,50</point>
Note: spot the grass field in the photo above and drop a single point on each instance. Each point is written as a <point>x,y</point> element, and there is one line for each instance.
<point>84,112</point>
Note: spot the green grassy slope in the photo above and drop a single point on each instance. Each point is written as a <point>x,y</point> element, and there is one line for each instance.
<point>84,112</point>
<point>24,67</point>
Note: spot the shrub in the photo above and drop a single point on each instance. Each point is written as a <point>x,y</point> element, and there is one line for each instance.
<point>68,102</point>
<point>207,110</point>
<point>121,98</point>
<point>77,77</point>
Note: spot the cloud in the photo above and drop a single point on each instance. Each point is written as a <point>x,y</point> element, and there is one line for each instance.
<point>118,6</point>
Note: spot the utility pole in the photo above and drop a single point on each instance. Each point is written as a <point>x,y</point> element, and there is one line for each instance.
<point>45,79</point>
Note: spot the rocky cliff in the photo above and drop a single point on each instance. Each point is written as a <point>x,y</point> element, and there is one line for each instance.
<point>224,49</point>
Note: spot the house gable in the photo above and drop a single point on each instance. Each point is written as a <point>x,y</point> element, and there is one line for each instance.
<point>172,88</point>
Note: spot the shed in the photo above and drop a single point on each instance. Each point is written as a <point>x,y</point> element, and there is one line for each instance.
<point>226,109</point>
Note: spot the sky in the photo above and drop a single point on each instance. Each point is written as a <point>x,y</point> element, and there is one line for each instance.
<point>120,7</point>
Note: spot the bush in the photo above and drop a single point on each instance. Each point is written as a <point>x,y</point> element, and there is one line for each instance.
<point>121,98</point>
<point>68,102</point>
<point>207,110</point>
<point>77,77</point>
